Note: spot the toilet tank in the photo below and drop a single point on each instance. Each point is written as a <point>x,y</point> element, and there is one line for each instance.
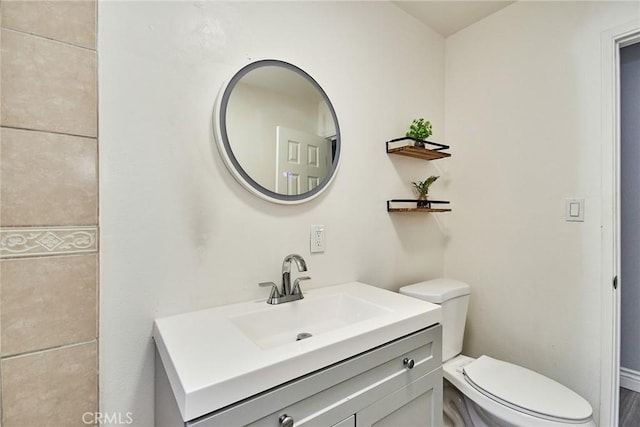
<point>453,297</point>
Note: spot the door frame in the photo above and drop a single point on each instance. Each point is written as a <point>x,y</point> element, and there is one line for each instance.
<point>612,41</point>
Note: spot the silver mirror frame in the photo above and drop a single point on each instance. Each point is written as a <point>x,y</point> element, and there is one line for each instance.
<point>230,160</point>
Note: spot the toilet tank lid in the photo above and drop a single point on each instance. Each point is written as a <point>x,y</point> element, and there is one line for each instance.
<point>437,291</point>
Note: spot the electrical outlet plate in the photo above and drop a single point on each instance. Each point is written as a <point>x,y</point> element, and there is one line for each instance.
<point>317,238</point>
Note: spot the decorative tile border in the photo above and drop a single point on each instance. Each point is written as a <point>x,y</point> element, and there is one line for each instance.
<point>40,241</point>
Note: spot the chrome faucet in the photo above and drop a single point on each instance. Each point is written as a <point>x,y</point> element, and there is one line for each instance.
<point>287,294</point>
<point>286,271</point>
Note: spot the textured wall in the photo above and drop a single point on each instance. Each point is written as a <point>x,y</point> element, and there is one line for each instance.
<point>524,111</point>
<point>178,232</point>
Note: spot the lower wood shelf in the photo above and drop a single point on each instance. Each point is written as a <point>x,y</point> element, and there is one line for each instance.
<point>392,206</point>
<point>425,210</point>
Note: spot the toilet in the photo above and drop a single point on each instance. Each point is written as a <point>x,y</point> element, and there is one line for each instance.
<point>487,392</point>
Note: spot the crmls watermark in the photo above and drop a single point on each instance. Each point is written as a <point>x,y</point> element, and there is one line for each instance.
<point>108,418</point>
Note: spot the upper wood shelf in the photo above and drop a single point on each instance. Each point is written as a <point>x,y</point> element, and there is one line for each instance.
<point>392,206</point>
<point>418,152</point>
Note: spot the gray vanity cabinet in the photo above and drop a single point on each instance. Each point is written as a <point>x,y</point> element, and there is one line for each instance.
<point>417,404</point>
<point>395,384</point>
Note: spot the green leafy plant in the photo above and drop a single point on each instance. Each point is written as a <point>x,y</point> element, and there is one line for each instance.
<point>420,129</point>
<point>422,187</point>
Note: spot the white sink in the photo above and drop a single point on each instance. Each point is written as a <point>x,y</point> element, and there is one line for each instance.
<point>282,324</point>
<point>218,356</point>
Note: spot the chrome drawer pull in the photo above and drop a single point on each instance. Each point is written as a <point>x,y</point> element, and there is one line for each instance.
<point>285,421</point>
<point>408,363</point>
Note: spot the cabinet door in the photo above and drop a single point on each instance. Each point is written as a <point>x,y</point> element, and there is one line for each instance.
<point>419,404</point>
<point>349,422</point>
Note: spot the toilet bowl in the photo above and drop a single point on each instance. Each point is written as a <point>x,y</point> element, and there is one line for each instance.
<point>485,391</point>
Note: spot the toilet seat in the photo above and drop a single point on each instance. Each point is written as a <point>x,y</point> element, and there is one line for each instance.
<point>526,391</point>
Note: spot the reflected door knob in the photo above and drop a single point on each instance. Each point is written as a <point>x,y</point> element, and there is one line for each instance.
<point>285,421</point>
<point>408,363</point>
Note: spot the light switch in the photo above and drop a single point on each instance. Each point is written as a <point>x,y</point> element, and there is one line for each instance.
<point>574,210</point>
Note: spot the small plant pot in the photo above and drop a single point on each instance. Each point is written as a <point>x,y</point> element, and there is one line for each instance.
<point>424,203</point>
<point>419,144</point>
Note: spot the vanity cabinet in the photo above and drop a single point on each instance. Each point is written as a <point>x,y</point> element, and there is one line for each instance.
<point>396,384</point>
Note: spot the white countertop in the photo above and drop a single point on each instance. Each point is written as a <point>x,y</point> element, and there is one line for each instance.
<point>211,362</point>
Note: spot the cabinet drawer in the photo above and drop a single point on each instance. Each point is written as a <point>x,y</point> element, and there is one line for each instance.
<point>348,397</point>
<point>332,394</point>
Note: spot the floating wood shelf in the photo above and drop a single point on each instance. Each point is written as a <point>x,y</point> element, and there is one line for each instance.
<point>411,205</point>
<point>414,208</point>
<point>418,152</point>
<point>424,210</point>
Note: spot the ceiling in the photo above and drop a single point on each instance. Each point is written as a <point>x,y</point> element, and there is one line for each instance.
<point>448,17</point>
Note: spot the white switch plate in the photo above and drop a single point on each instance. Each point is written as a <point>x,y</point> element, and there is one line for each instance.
<point>317,238</point>
<point>574,210</point>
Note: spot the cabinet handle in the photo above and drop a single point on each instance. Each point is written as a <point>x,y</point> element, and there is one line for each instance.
<point>408,363</point>
<point>285,421</point>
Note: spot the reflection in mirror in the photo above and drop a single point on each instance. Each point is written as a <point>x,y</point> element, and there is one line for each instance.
<point>278,132</point>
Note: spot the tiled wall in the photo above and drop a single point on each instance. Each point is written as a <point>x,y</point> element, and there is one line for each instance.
<point>48,213</point>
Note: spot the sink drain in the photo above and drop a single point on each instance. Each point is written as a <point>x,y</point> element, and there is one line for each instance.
<point>303,335</point>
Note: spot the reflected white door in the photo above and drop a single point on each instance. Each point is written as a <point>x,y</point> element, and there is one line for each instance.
<point>302,161</point>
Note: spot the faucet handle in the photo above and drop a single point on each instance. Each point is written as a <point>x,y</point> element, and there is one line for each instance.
<point>296,285</point>
<point>266,284</point>
<point>274,290</point>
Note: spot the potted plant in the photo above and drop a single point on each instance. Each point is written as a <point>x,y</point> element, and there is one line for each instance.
<point>422,188</point>
<point>419,129</point>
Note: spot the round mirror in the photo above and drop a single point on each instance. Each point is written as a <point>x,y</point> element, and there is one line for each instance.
<point>277,132</point>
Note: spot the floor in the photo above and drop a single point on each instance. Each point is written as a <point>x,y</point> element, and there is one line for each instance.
<point>629,408</point>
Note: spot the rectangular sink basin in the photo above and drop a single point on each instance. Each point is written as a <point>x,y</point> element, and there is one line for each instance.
<point>287,323</point>
<point>219,356</point>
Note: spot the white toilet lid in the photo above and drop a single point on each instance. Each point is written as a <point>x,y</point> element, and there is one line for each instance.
<point>526,391</point>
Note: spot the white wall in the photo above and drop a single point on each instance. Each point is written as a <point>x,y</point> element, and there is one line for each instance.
<point>523,117</point>
<point>178,233</point>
